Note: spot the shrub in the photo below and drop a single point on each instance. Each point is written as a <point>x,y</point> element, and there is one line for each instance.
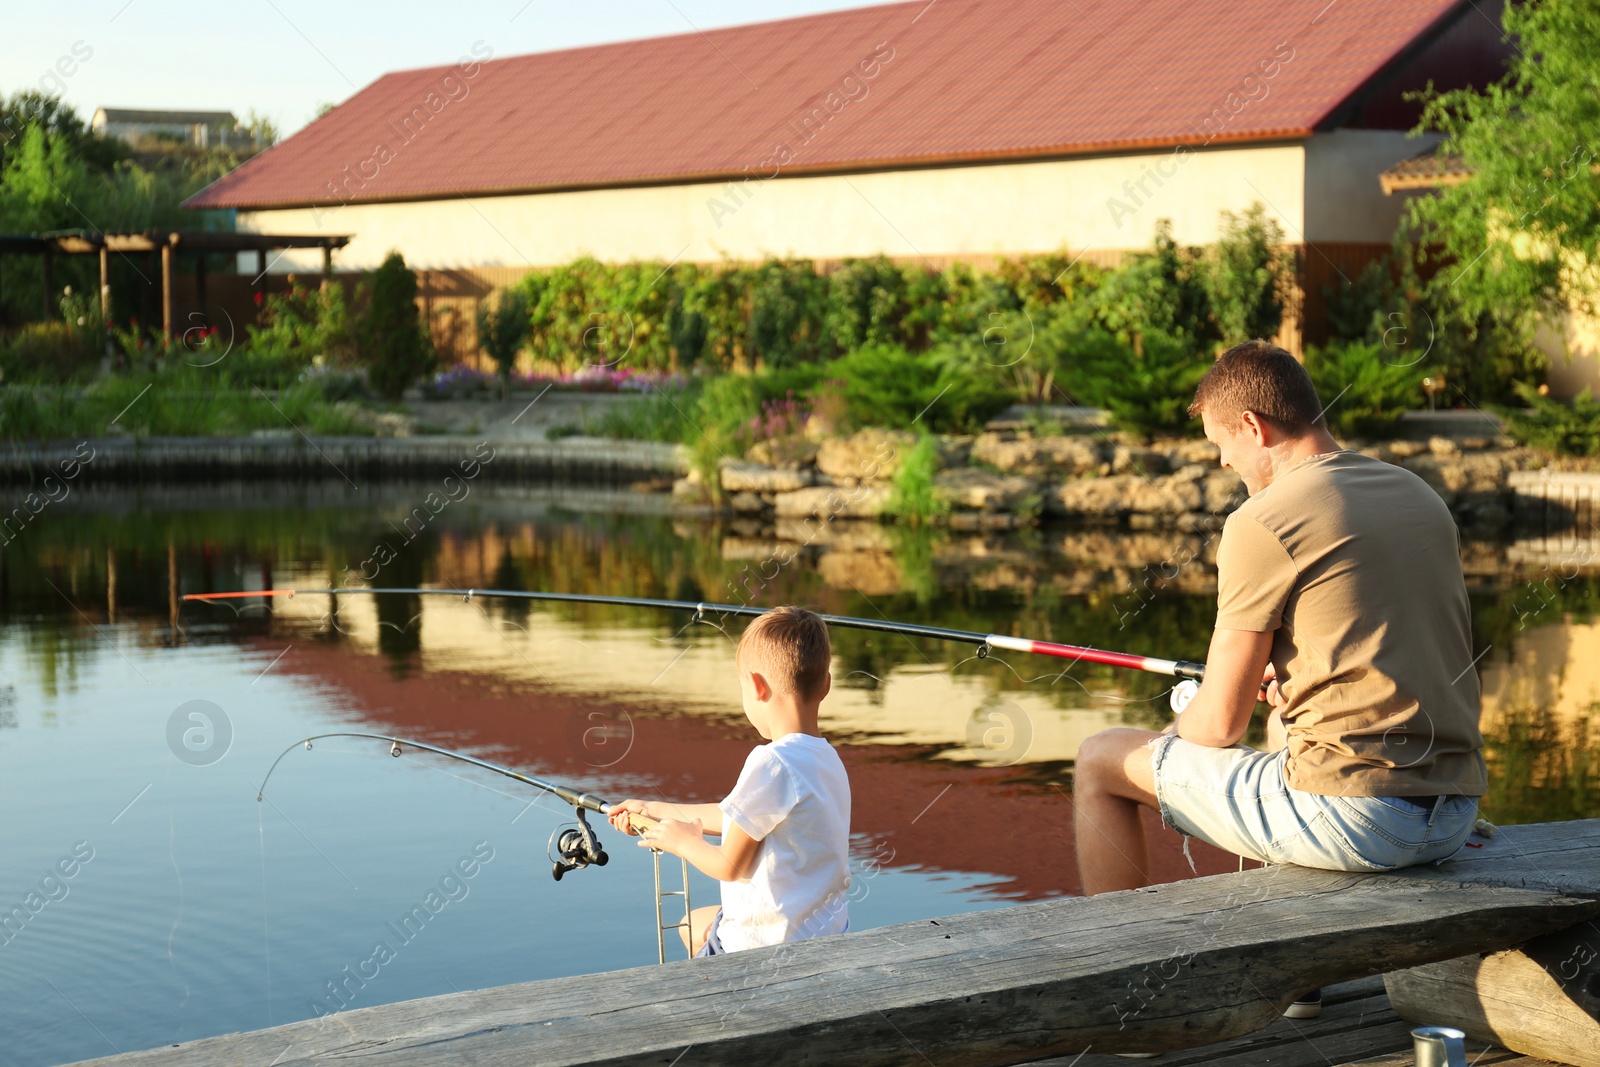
<point>304,326</point>
<point>867,304</point>
<point>1570,429</point>
<point>1363,389</point>
<point>788,313</point>
<point>1163,291</point>
<point>1146,389</point>
<point>1247,276</point>
<point>52,352</point>
<point>719,425</point>
<point>396,350</point>
<point>502,329</point>
<point>941,391</point>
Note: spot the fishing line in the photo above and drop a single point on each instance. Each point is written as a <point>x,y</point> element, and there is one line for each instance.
<point>575,845</point>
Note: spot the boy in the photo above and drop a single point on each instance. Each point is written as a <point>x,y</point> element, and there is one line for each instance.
<point>784,857</point>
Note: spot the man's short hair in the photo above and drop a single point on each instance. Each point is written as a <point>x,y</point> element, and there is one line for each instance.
<point>1260,377</point>
<point>789,646</point>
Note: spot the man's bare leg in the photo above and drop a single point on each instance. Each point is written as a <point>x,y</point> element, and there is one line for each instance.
<point>1114,778</point>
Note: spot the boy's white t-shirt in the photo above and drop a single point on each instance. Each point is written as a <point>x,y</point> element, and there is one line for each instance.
<point>794,797</point>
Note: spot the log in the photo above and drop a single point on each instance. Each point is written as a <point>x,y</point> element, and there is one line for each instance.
<point>1542,999</point>
<point>1168,967</point>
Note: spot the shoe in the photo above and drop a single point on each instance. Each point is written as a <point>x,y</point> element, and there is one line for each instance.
<point>1308,1006</point>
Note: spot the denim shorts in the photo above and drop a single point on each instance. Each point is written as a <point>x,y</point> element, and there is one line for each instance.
<point>1236,799</point>
<point>713,942</point>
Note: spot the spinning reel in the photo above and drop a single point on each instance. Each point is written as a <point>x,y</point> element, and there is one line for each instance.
<point>576,847</point>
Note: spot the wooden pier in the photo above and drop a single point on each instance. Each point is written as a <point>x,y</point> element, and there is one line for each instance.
<point>1180,966</point>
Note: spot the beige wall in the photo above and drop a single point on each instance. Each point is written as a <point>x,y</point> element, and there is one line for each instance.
<point>970,211</point>
<point>1344,200</point>
<point>1574,354</point>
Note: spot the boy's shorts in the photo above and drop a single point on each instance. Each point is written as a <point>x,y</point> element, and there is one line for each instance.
<point>1236,799</point>
<point>713,945</point>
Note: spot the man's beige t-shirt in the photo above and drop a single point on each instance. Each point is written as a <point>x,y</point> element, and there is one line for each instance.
<point>1354,565</point>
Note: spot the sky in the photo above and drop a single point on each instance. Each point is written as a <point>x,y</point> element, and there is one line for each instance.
<point>284,58</point>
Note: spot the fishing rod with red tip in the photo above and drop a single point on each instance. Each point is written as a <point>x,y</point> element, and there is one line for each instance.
<point>1176,668</point>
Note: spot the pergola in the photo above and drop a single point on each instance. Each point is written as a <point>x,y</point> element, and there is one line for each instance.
<point>169,243</point>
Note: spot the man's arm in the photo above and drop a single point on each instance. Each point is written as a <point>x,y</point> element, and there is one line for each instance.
<point>1219,714</point>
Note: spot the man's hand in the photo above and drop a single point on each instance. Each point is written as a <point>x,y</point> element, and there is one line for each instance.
<point>673,835</point>
<point>1236,664</point>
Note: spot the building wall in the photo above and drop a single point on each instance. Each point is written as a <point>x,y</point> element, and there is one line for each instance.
<point>950,212</point>
<point>1344,200</point>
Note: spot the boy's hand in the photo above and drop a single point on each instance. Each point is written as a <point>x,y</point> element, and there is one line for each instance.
<point>672,835</point>
<point>621,810</point>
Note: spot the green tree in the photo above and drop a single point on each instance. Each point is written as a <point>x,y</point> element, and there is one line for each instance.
<point>1248,275</point>
<point>502,330</point>
<point>396,350</point>
<point>1520,237</point>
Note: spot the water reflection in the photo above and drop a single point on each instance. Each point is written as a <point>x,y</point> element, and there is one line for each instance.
<point>204,911</point>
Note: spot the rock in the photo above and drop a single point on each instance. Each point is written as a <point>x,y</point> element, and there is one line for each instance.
<point>742,476</point>
<point>869,573</point>
<point>1442,446</point>
<point>979,490</point>
<point>785,453</point>
<point>1474,444</point>
<point>1138,460</point>
<point>1405,449</point>
<point>984,520</point>
<point>955,450</point>
<point>867,456</point>
<point>754,548</point>
<point>1444,479</point>
<point>746,503</point>
<point>1094,499</point>
<point>1164,496</point>
<point>854,536</point>
<point>1200,451</point>
<point>1037,455</point>
<point>1223,491</point>
<point>858,502</point>
<point>686,489</point>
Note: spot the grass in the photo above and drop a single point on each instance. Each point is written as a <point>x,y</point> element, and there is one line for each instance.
<point>655,416</point>
<point>914,497</point>
<point>167,404</point>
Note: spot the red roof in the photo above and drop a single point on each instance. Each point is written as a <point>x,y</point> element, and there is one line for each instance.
<point>958,80</point>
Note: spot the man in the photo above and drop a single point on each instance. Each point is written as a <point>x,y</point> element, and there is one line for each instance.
<point>1339,581</point>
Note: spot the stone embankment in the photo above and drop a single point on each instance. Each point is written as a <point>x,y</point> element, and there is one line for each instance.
<point>1008,478</point>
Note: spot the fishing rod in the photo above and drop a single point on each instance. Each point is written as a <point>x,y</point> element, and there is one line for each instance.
<point>986,643</point>
<point>575,847</point>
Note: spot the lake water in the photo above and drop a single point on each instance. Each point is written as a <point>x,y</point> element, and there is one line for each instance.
<point>161,902</point>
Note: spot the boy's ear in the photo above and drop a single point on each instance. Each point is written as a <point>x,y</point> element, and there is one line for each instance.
<point>827,687</point>
<point>762,687</point>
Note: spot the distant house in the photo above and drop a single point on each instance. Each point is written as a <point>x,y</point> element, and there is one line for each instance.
<point>203,129</point>
<point>951,130</point>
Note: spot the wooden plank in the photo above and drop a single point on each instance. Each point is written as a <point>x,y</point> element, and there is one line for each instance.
<point>1172,966</point>
<point>1542,998</point>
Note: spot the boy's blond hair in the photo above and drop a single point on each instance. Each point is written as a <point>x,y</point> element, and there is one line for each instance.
<point>789,646</point>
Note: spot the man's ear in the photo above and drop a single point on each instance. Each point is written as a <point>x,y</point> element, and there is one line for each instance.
<point>1259,429</point>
